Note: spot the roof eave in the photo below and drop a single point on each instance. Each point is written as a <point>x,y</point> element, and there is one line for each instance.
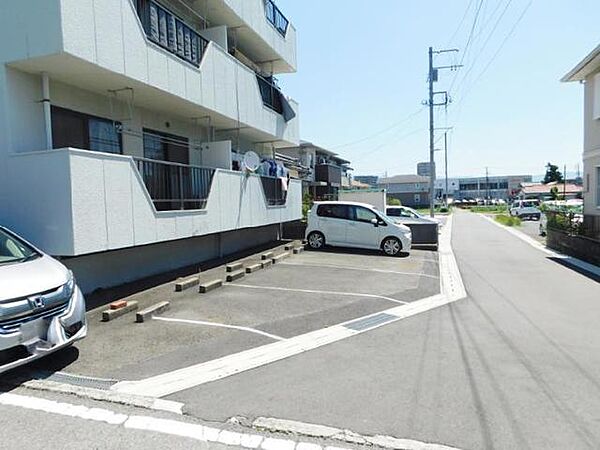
<point>586,66</point>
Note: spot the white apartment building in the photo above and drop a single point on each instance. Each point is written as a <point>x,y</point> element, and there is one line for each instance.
<point>588,72</point>
<point>122,124</point>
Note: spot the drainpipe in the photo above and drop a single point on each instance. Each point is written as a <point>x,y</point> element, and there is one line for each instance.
<point>47,111</point>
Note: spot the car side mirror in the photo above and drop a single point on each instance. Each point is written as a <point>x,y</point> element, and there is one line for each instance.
<point>375,222</point>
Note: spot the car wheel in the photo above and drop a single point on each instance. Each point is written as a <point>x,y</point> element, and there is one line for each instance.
<point>316,240</point>
<point>391,246</point>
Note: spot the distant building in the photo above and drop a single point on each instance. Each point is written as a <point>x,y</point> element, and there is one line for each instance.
<point>440,187</point>
<point>371,180</point>
<point>588,71</point>
<point>492,187</point>
<point>544,191</point>
<point>424,169</point>
<point>411,190</point>
<point>326,172</point>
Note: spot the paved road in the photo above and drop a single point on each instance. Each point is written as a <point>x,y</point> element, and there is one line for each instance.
<point>515,365</point>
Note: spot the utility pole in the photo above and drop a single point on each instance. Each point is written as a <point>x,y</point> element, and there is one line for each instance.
<point>433,77</point>
<point>565,184</point>
<point>487,185</point>
<point>446,163</point>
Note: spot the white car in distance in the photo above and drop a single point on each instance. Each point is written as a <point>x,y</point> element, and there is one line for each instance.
<point>359,225</point>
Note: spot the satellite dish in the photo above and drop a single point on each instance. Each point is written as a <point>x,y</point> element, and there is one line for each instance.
<point>251,161</point>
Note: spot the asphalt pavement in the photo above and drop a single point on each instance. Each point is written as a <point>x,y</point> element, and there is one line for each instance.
<point>516,365</point>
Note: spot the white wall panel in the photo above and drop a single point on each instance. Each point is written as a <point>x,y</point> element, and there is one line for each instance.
<point>87,202</point>
<point>109,34</point>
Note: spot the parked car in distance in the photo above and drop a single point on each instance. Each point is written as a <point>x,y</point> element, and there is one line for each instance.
<point>351,224</point>
<point>425,230</point>
<point>526,209</point>
<point>41,308</point>
<point>402,214</point>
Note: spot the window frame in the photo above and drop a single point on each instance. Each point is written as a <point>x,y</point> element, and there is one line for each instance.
<point>323,207</point>
<point>86,118</point>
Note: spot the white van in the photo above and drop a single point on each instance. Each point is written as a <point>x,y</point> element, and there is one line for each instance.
<point>351,224</point>
<point>526,209</point>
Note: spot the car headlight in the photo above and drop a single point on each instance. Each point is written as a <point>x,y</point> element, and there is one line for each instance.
<point>69,287</point>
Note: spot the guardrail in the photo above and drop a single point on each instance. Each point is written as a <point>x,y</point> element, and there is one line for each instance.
<point>276,17</point>
<point>175,187</point>
<point>275,195</point>
<point>170,32</point>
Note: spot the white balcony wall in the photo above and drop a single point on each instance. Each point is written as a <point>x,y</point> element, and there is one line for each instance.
<point>74,202</point>
<point>252,13</point>
<point>108,35</point>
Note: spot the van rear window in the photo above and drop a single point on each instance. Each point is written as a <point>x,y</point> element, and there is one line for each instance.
<point>333,211</point>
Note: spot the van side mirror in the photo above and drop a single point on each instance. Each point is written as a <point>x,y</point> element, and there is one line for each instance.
<point>375,222</point>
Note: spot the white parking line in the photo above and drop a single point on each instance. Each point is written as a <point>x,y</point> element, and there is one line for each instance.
<point>312,291</point>
<point>451,286</point>
<point>220,325</point>
<point>362,269</point>
<point>205,434</point>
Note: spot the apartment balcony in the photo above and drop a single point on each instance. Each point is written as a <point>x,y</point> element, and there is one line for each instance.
<point>263,32</point>
<point>75,202</point>
<point>105,47</point>
<point>329,173</point>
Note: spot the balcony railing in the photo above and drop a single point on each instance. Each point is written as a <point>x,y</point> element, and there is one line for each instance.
<point>328,173</point>
<point>170,32</point>
<point>274,192</point>
<point>175,187</point>
<point>270,93</point>
<point>275,16</point>
<point>273,98</point>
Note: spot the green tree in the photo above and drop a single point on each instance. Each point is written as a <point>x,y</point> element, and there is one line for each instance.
<point>552,174</point>
<point>391,201</point>
<point>307,202</point>
<point>554,193</point>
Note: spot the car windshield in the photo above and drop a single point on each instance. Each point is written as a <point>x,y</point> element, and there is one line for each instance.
<point>14,250</point>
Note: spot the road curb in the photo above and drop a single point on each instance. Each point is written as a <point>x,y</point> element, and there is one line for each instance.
<point>138,401</point>
<point>347,436</point>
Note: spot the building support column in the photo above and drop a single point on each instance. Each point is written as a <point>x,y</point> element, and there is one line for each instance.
<point>47,111</point>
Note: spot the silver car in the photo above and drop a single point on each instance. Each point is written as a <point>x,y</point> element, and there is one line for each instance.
<point>41,308</point>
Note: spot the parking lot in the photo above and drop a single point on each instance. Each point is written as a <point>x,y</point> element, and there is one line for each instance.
<point>300,294</point>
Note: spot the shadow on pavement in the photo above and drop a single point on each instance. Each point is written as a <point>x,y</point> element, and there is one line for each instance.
<point>565,263</point>
<point>39,370</point>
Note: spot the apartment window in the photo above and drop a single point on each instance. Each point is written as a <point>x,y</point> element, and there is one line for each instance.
<point>78,130</point>
<point>165,147</point>
<point>170,32</point>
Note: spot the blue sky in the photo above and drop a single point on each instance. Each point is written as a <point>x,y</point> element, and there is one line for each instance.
<point>363,69</point>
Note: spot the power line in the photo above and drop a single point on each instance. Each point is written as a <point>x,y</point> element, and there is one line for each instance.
<point>396,139</point>
<point>504,41</point>
<point>469,40</point>
<point>487,40</point>
<point>462,21</point>
<point>379,133</point>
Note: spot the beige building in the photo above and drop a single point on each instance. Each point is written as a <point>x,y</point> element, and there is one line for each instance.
<point>588,72</point>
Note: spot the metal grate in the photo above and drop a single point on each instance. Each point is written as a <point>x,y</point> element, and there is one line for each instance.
<point>76,380</point>
<point>369,322</point>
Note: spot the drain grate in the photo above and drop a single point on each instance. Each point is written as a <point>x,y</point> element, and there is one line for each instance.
<point>368,322</point>
<point>77,380</point>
